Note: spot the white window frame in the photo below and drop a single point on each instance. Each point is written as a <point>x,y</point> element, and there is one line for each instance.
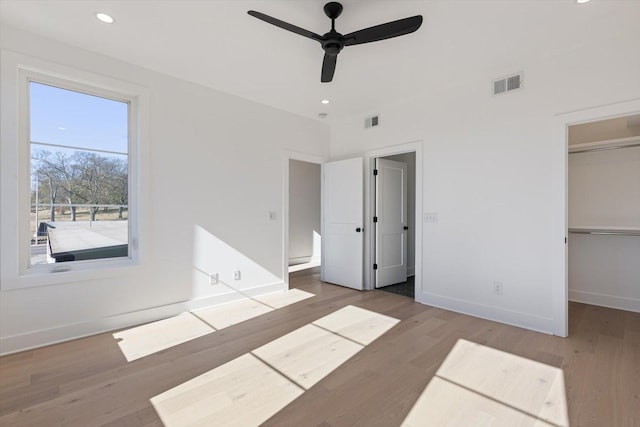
<point>15,179</point>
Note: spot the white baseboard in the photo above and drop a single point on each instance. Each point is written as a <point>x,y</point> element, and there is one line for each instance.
<point>610,301</point>
<point>299,260</point>
<point>43,337</point>
<point>497,314</point>
<point>411,271</point>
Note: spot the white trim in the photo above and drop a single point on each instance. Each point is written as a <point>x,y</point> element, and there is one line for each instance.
<point>497,314</point>
<point>560,149</point>
<point>58,334</point>
<point>610,301</point>
<point>17,71</point>
<point>370,157</point>
<point>309,158</point>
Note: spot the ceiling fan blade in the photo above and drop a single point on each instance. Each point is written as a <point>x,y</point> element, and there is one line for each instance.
<point>384,31</point>
<point>328,68</point>
<point>285,25</point>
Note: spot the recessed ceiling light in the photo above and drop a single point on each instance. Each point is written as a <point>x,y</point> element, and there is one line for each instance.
<point>325,101</point>
<point>108,19</point>
<point>582,1</point>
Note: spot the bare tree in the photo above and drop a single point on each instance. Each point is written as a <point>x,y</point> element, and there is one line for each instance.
<point>48,177</point>
<point>119,185</point>
<point>94,173</point>
<point>83,178</point>
<point>68,175</point>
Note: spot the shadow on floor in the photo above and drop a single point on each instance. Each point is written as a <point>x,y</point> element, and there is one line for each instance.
<point>406,289</point>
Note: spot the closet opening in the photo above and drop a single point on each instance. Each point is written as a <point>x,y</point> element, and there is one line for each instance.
<point>604,213</point>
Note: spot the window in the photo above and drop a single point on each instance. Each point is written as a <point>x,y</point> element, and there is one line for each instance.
<point>79,163</point>
<point>71,148</point>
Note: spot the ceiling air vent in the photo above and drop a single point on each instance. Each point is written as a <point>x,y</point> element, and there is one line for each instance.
<point>507,84</point>
<point>371,122</point>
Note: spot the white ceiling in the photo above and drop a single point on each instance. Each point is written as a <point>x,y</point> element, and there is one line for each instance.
<point>216,44</point>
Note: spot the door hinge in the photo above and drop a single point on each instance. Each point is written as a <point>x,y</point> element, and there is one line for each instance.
<point>565,240</point>
<point>375,171</point>
<point>375,266</point>
<point>375,219</point>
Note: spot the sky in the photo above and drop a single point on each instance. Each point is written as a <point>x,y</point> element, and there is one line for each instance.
<point>64,117</point>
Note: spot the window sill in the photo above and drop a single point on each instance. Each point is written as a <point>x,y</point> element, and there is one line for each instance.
<point>78,272</point>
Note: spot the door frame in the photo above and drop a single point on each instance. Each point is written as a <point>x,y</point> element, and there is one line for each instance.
<point>560,255</point>
<point>369,209</point>
<point>309,158</point>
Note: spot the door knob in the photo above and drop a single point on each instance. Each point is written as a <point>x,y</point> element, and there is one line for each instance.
<point>405,227</point>
<point>358,230</point>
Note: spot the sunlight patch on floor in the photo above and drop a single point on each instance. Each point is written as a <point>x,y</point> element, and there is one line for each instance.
<point>232,313</point>
<point>357,324</point>
<point>144,340</point>
<point>151,338</point>
<point>250,389</point>
<point>236,393</point>
<point>308,354</point>
<point>282,299</point>
<point>478,385</point>
<point>235,312</point>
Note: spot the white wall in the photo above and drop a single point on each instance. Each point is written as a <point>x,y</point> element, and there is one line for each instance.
<point>304,211</point>
<point>410,160</point>
<point>211,173</point>
<point>490,169</point>
<point>604,188</point>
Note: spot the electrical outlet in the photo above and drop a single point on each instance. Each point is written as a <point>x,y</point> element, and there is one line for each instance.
<point>236,274</point>
<point>497,288</point>
<point>213,278</point>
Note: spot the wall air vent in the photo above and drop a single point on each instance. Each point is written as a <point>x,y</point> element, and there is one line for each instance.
<point>371,122</point>
<point>507,84</point>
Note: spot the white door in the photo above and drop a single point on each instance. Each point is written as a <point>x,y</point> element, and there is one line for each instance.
<point>391,222</point>
<point>342,235</point>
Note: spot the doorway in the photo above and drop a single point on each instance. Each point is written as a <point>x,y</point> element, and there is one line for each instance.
<point>346,261</point>
<point>604,212</point>
<point>304,215</point>
<point>394,223</point>
<point>561,223</point>
<point>411,154</point>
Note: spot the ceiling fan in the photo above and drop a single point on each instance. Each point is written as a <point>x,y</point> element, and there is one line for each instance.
<point>333,42</point>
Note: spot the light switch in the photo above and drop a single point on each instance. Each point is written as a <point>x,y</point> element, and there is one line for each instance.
<point>430,217</point>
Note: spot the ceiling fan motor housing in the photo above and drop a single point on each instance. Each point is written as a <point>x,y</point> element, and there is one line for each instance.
<point>332,42</point>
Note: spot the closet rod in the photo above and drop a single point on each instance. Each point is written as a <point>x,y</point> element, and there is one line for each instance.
<point>606,233</point>
<point>612,147</point>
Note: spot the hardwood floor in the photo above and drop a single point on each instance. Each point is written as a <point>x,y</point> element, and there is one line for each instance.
<point>385,382</point>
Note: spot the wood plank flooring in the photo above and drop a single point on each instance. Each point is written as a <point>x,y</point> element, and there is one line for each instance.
<point>89,382</point>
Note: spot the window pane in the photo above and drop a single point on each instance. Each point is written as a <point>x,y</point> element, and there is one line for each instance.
<point>64,117</point>
<point>79,175</point>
